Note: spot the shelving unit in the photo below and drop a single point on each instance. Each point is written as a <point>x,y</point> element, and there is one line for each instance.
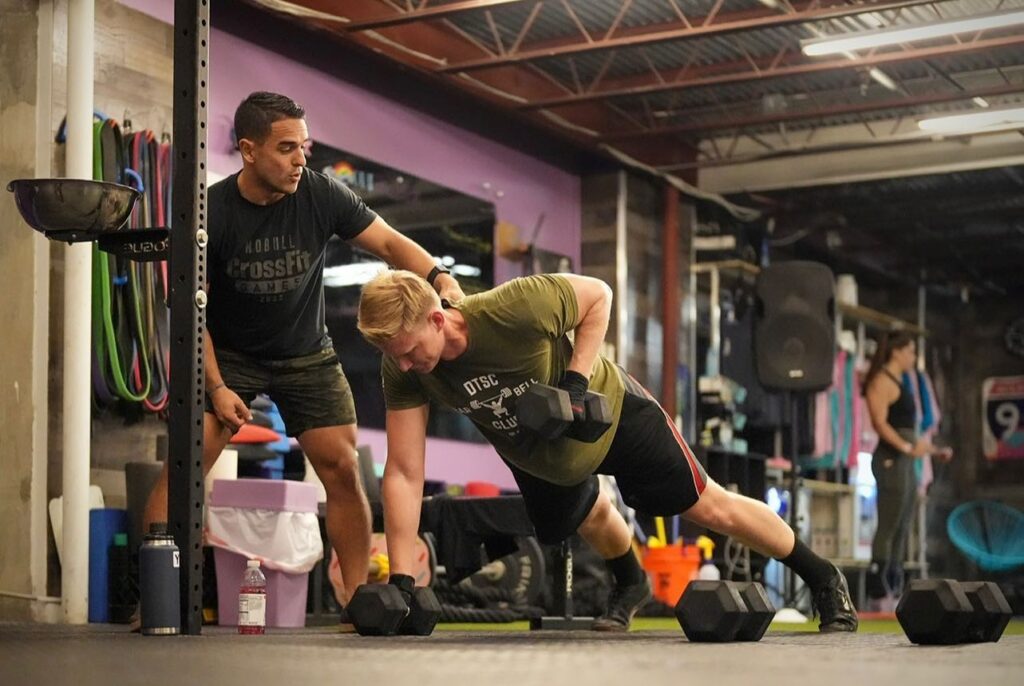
<point>835,502</point>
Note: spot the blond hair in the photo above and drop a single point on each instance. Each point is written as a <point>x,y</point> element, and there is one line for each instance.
<point>392,303</point>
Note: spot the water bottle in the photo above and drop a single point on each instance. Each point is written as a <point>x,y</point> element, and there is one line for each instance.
<point>159,585</point>
<point>252,600</point>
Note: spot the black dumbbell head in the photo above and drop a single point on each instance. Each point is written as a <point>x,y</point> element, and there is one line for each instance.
<point>934,612</point>
<point>991,611</point>
<point>711,611</point>
<point>424,611</point>
<point>760,611</point>
<point>545,410</point>
<point>598,420</point>
<point>377,609</point>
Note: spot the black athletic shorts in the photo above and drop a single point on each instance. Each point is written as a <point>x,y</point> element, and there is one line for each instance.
<point>310,391</point>
<point>654,468</point>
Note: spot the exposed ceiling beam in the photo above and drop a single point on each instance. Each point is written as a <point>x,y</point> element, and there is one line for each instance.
<point>424,14</point>
<point>850,166</point>
<point>769,72</point>
<point>892,215</point>
<point>971,198</point>
<point>719,124</point>
<point>364,65</point>
<point>702,27</point>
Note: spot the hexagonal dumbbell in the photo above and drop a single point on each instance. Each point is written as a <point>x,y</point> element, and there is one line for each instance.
<point>710,611</point>
<point>547,411</point>
<point>424,611</point>
<point>934,612</point>
<point>377,609</point>
<point>598,419</point>
<point>721,611</point>
<point>991,611</point>
<point>760,611</point>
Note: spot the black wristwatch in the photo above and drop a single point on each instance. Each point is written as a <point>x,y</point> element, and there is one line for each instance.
<point>438,269</point>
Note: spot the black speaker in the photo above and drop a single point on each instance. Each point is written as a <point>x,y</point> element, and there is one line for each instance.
<point>794,328</point>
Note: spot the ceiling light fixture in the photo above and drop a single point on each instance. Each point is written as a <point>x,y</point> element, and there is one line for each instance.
<point>882,78</point>
<point>874,73</point>
<point>991,119</point>
<point>863,40</point>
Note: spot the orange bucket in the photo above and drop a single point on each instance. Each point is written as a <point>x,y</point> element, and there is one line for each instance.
<point>670,568</point>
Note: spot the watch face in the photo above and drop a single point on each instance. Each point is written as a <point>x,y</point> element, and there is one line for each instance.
<point>1015,337</point>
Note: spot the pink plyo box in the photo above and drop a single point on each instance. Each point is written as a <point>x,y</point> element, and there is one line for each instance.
<point>266,494</point>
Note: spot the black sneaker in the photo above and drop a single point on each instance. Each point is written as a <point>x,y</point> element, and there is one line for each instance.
<point>834,607</point>
<point>623,603</point>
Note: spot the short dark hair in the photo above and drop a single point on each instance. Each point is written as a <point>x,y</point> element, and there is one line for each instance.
<point>260,110</point>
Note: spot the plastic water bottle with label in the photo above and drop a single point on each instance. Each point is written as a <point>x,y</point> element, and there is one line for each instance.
<point>252,600</point>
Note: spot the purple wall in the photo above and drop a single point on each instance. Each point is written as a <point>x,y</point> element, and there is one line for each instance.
<point>350,118</point>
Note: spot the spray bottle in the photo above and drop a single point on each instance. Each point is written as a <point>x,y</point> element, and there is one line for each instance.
<point>707,570</point>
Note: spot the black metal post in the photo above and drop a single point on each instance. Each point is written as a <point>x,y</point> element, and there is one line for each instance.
<point>188,302</point>
<point>563,570</point>
<point>794,489</point>
<point>563,618</point>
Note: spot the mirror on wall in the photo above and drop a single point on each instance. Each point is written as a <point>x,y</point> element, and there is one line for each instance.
<point>457,229</point>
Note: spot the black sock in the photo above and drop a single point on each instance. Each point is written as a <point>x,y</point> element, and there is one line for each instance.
<point>814,570</point>
<point>626,569</point>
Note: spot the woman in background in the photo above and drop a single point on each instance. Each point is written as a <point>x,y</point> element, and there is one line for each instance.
<point>894,418</point>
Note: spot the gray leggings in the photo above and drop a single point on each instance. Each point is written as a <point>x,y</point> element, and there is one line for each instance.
<point>897,493</point>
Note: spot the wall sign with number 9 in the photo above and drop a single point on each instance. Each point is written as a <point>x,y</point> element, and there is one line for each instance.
<point>1007,417</point>
<point>1002,435</point>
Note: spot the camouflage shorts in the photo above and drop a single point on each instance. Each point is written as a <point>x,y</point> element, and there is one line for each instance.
<point>311,391</point>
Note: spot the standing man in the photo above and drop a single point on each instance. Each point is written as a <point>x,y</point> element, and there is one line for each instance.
<point>269,225</point>
<point>493,346</point>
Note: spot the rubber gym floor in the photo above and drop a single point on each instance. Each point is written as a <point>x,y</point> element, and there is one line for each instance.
<point>655,652</point>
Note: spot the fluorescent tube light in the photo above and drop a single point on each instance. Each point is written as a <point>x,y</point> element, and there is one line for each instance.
<point>976,122</point>
<point>360,273</point>
<point>863,40</point>
<point>355,274</point>
<point>465,270</point>
<point>881,77</point>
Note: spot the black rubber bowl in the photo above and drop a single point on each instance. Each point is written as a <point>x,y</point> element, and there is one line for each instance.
<point>65,209</point>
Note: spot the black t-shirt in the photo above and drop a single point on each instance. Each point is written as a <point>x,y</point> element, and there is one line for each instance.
<point>266,264</point>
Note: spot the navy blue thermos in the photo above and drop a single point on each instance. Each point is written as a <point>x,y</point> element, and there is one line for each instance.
<point>159,589</point>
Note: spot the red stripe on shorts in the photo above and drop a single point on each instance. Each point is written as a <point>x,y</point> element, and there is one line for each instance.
<point>691,459</point>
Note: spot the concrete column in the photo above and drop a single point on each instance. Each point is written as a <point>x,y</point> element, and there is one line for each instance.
<point>77,321</point>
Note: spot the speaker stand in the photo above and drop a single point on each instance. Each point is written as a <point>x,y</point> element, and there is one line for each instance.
<point>794,487</point>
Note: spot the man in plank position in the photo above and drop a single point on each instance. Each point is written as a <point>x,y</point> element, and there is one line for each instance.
<point>499,343</point>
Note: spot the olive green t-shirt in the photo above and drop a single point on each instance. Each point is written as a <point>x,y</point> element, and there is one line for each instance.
<point>517,337</point>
